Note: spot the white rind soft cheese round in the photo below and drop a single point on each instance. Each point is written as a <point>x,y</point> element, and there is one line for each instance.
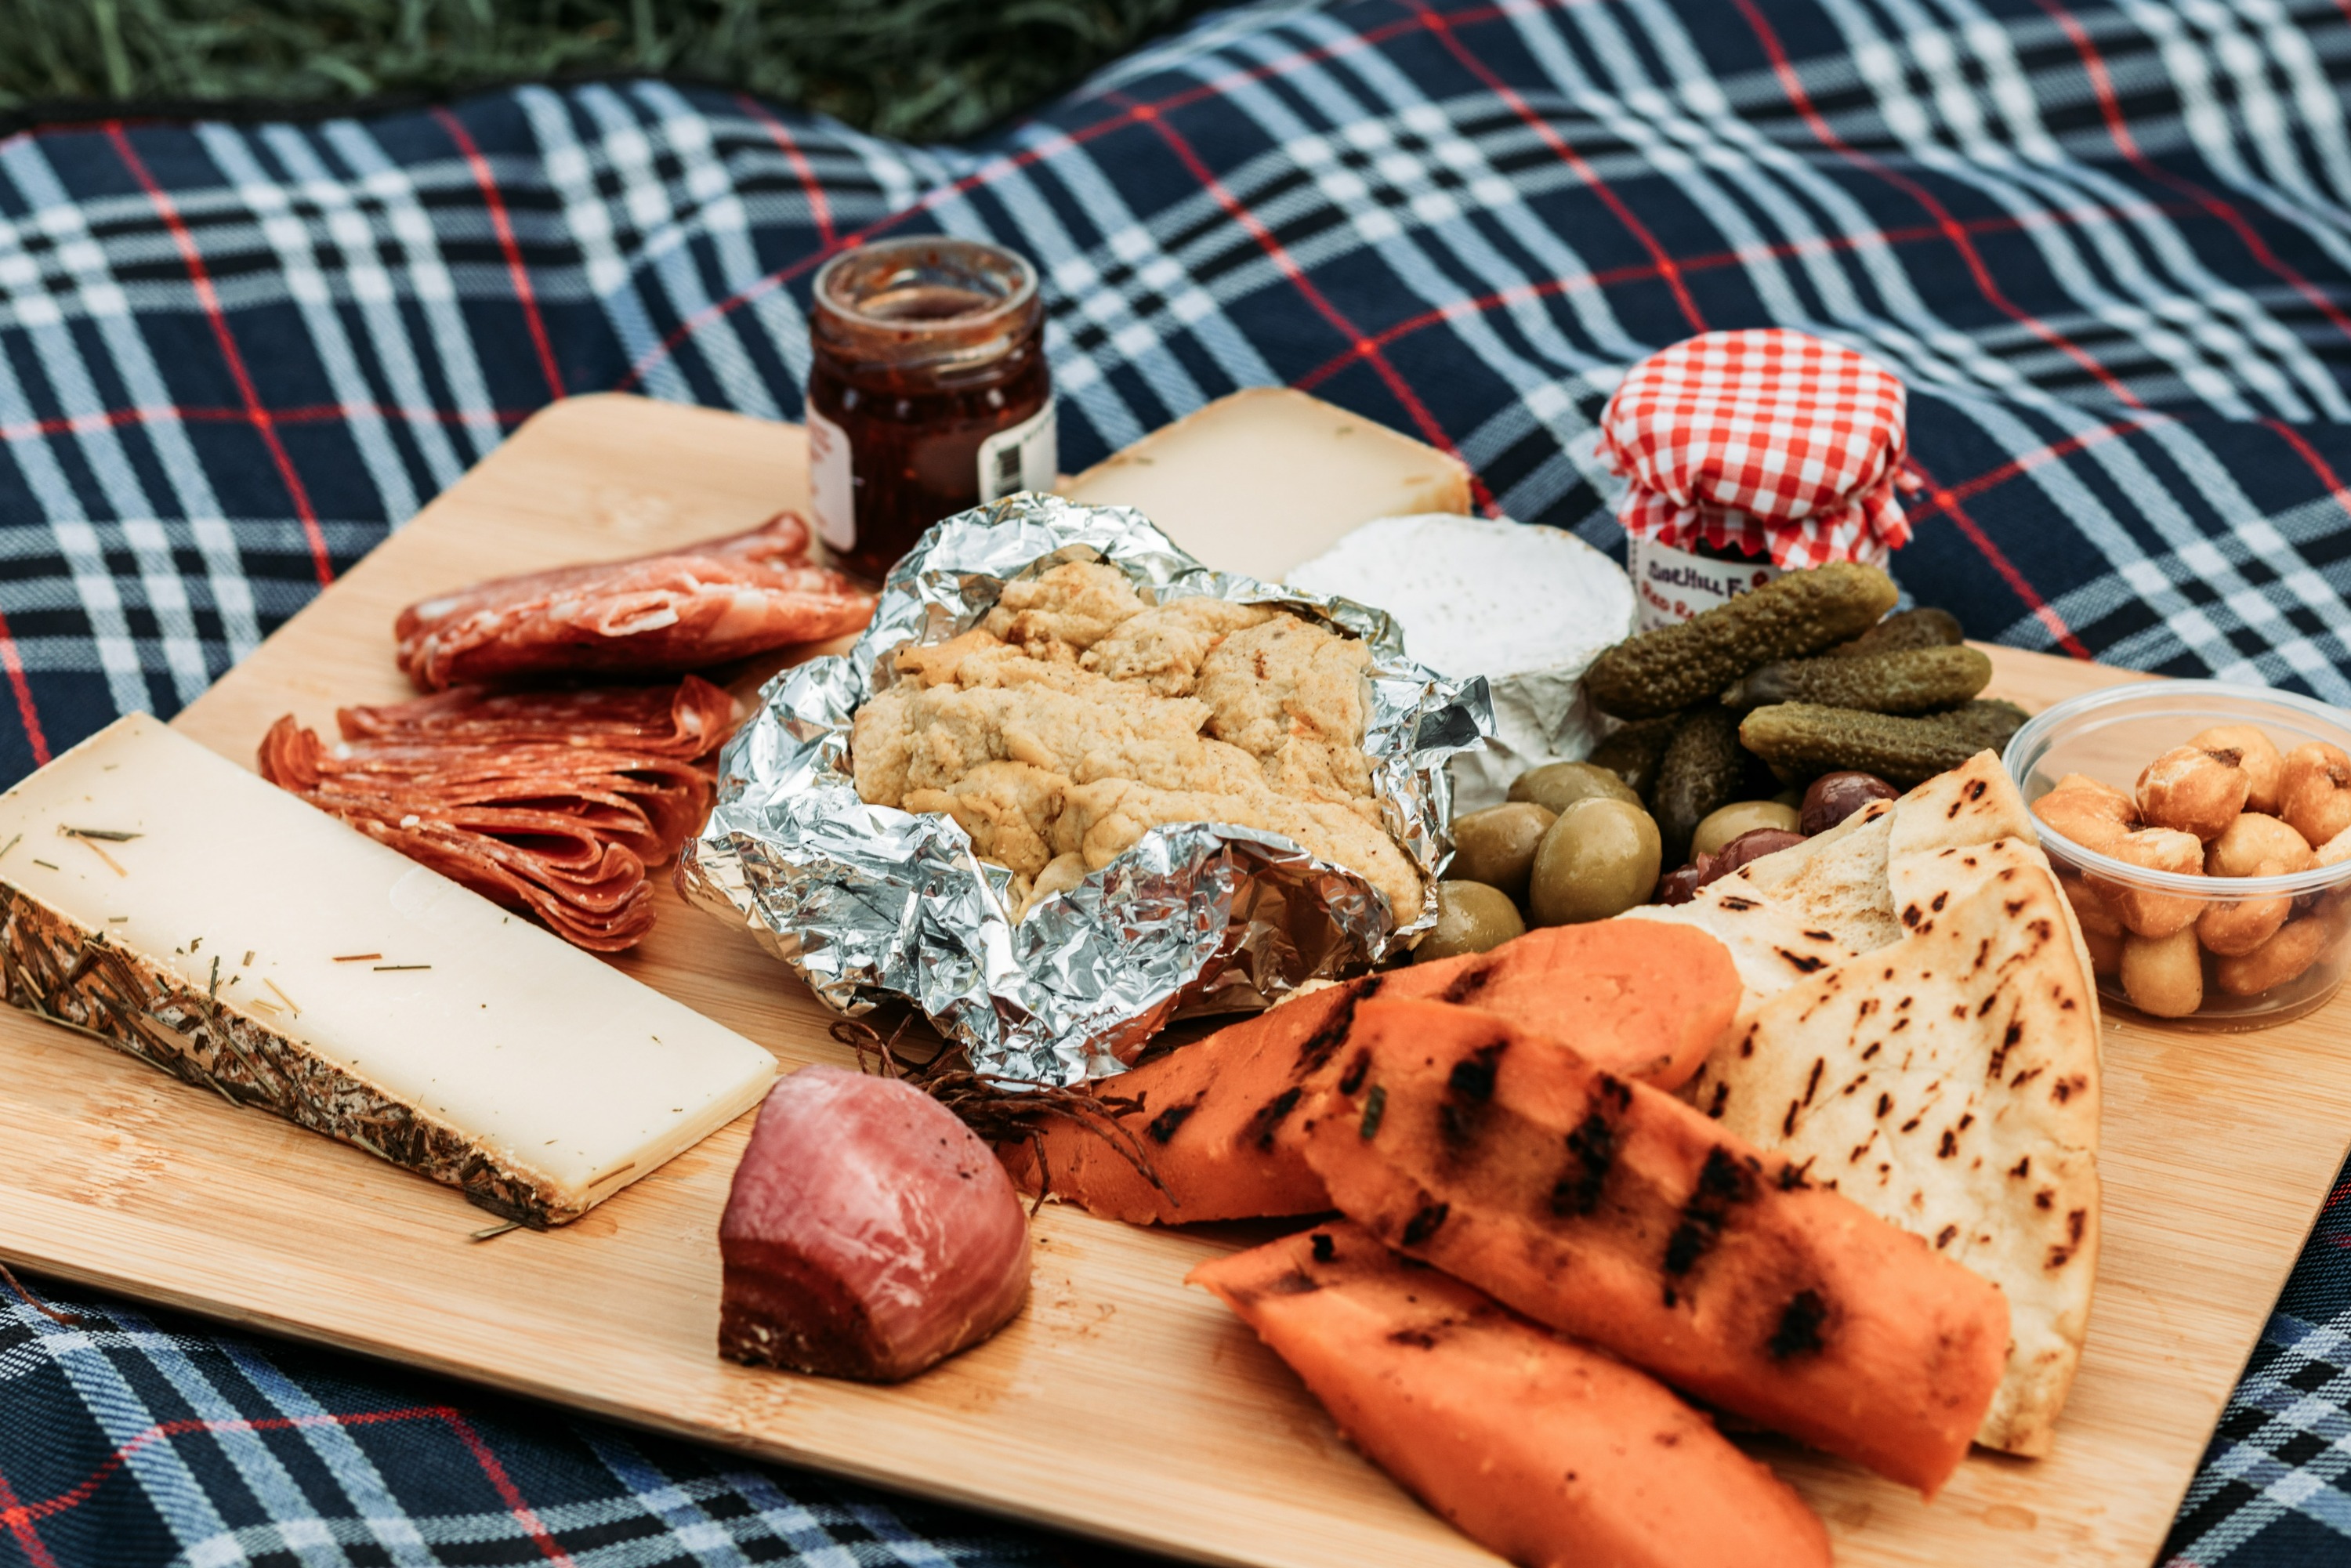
<point>1526,606</point>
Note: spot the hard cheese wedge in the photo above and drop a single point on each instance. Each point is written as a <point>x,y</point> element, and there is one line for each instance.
<point>244,941</point>
<point>1263,479</point>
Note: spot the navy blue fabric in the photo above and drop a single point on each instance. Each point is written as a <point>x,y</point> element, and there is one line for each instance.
<point>2107,246</point>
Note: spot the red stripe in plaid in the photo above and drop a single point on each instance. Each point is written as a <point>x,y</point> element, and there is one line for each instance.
<point>996,169</point>
<point>2094,64</point>
<point>1430,430</point>
<point>1635,272</point>
<point>820,209</point>
<point>2017,582</point>
<point>209,298</point>
<point>20,1528</point>
<point>2309,453</point>
<point>1659,257</point>
<point>20,1517</point>
<point>1768,441</point>
<point>1802,102</point>
<point>11,1512</point>
<point>1939,499</point>
<point>508,1493</point>
<point>28,711</point>
<point>503,227</point>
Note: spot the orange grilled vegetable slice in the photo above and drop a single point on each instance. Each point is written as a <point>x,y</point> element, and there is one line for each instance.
<point>1218,1118</point>
<point>1547,1451</point>
<point>1616,1213</point>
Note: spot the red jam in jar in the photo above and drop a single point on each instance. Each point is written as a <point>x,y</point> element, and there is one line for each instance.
<point>928,391</point>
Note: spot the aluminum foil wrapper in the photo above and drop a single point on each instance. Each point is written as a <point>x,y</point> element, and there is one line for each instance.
<point>869,904</point>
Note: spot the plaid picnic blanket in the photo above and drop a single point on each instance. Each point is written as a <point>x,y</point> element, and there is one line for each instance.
<point>2108,245</point>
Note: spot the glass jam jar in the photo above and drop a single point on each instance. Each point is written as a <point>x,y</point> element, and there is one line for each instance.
<point>928,391</point>
<point>1671,585</point>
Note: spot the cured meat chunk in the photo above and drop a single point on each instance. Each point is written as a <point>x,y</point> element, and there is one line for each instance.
<point>1546,1450</point>
<point>869,1233</point>
<point>552,803</point>
<point>678,609</point>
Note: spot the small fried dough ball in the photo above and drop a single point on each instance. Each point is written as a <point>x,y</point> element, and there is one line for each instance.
<point>2232,927</point>
<point>2164,975</point>
<point>2092,814</point>
<point>2090,911</point>
<point>2314,791</point>
<point>2193,790</point>
<point>2146,912</point>
<point>2257,754</point>
<point>2282,959</point>
<point>2252,841</point>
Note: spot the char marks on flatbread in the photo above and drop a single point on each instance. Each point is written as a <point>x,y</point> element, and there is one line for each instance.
<point>1941,1069</point>
<point>1949,1083</point>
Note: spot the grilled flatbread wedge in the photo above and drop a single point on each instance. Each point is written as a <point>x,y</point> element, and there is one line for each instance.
<point>1842,893</point>
<point>1850,944</point>
<point>1949,1082</point>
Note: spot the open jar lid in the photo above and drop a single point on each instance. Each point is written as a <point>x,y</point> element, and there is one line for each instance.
<point>1767,442</point>
<point>935,304</point>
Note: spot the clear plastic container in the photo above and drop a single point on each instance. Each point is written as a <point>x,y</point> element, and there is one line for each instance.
<point>2111,736</point>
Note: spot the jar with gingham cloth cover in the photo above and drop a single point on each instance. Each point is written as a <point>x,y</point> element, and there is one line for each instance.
<point>1750,453</point>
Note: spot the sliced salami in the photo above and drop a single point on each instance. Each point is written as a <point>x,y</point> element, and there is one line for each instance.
<point>680,609</point>
<point>688,719</point>
<point>550,802</point>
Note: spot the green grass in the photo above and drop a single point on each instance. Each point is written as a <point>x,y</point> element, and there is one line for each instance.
<point>918,69</point>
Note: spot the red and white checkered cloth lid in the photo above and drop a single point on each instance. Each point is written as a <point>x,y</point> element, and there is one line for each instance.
<point>1764,441</point>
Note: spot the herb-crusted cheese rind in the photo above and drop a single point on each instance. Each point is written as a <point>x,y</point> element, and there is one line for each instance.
<point>57,969</point>
<point>161,898</point>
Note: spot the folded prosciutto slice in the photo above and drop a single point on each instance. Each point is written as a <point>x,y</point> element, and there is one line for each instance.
<point>869,1233</point>
<point>680,609</point>
<point>550,803</point>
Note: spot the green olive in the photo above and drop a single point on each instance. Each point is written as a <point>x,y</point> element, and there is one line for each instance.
<point>1470,918</point>
<point>1496,846</point>
<point>1599,859</point>
<point>1792,798</point>
<point>1719,827</point>
<point>1556,786</point>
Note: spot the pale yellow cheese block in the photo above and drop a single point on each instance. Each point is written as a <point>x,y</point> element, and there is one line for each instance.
<point>235,936</point>
<point>1263,479</point>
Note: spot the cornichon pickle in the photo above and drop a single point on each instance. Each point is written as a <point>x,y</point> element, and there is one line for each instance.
<point>1991,722</point>
<point>1917,680</point>
<point>1633,752</point>
<point>1805,739</point>
<point>1704,770</point>
<point>1801,613</point>
<point>1911,629</point>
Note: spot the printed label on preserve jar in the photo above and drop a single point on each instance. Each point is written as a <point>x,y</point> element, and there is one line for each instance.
<point>833,484</point>
<point>1025,457</point>
<point>1673,585</point>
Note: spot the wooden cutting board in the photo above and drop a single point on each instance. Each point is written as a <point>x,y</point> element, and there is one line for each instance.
<point>1120,1404</point>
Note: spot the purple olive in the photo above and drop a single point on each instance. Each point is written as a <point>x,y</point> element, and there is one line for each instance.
<point>1753,845</point>
<point>1681,885</point>
<point>1833,797</point>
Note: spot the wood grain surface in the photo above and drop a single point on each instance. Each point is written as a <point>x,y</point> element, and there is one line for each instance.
<point>1119,1404</point>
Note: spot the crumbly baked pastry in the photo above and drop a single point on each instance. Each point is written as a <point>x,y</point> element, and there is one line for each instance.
<point>1078,716</point>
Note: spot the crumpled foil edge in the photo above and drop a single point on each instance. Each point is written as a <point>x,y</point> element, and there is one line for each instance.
<point>869,904</point>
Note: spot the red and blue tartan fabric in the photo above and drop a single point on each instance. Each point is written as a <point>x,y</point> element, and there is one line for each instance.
<point>2106,246</point>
